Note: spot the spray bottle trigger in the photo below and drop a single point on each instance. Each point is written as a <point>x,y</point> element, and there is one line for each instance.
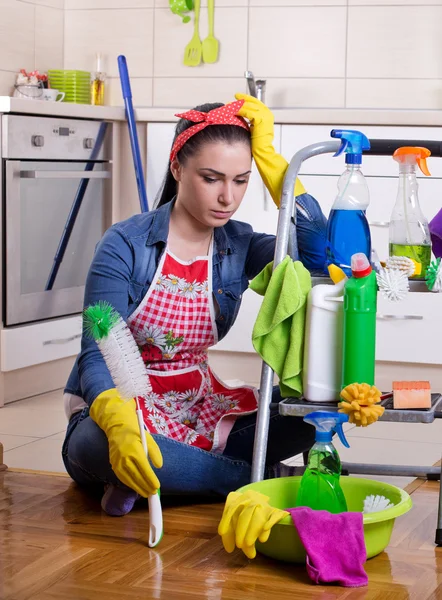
<point>341,434</point>
<point>343,148</point>
<point>422,162</point>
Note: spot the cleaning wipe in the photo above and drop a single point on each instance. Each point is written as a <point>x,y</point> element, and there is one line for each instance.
<point>334,544</point>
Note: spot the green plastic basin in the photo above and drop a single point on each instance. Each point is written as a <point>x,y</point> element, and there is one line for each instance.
<point>284,543</point>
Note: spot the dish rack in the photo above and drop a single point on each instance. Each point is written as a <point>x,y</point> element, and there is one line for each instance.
<point>286,243</point>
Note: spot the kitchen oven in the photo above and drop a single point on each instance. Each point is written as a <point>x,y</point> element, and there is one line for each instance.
<point>56,206</point>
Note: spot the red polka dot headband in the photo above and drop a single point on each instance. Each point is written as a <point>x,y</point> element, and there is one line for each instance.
<point>224,115</point>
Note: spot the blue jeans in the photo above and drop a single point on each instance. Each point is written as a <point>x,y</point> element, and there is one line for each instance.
<point>187,470</point>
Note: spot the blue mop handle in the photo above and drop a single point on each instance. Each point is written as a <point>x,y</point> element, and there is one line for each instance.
<point>130,116</point>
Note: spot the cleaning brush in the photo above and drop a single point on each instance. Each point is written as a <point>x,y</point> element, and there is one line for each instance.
<point>393,284</point>
<point>361,402</point>
<point>129,373</point>
<point>119,349</point>
<point>433,276</point>
<point>405,264</point>
<point>376,503</point>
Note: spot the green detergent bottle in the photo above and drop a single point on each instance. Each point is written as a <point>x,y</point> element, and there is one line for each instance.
<point>320,488</point>
<point>359,337</point>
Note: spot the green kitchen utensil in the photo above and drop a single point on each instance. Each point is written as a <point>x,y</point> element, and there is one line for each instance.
<point>210,44</point>
<point>179,7</point>
<point>193,50</point>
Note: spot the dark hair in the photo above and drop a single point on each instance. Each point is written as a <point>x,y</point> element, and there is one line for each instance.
<point>229,134</point>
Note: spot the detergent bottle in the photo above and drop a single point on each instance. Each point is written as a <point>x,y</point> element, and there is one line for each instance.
<point>322,366</point>
<point>409,230</point>
<point>320,488</point>
<point>348,231</point>
<point>360,305</point>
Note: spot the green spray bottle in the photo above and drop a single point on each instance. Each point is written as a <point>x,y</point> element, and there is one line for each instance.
<point>359,337</point>
<point>320,488</point>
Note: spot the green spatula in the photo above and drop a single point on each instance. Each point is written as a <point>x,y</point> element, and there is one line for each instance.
<point>210,44</point>
<point>192,52</point>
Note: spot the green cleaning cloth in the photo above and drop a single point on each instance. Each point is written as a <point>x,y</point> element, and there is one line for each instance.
<point>278,334</point>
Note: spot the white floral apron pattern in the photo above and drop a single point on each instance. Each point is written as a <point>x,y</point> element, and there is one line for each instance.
<point>174,326</point>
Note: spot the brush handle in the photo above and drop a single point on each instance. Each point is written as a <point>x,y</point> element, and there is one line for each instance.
<point>141,426</point>
<point>155,511</point>
<point>155,520</point>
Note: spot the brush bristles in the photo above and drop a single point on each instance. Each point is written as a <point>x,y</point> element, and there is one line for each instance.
<point>401,263</point>
<point>434,276</point>
<point>99,319</point>
<point>374,503</point>
<point>393,284</point>
<point>124,362</point>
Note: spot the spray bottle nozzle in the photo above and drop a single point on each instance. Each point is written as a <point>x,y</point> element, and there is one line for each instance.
<point>410,155</point>
<point>353,144</point>
<point>326,423</point>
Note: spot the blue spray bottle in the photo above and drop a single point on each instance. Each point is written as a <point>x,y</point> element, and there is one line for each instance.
<point>320,488</point>
<point>348,231</point>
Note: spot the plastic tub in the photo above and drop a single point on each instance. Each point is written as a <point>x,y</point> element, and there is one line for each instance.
<point>284,543</point>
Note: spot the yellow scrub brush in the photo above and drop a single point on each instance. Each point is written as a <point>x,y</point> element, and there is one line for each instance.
<point>405,264</point>
<point>361,404</point>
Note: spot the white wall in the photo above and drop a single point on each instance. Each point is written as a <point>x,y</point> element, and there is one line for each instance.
<point>314,53</point>
<point>31,37</point>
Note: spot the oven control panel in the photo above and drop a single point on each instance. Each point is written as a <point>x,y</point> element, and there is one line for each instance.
<point>49,138</point>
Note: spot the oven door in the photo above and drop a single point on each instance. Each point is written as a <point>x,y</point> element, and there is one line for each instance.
<point>41,198</point>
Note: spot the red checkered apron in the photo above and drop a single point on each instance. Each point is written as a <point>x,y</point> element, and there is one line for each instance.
<point>174,326</point>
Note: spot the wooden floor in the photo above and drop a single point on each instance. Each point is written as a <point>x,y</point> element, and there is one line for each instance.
<point>55,543</point>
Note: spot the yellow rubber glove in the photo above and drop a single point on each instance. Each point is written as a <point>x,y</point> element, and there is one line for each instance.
<point>118,419</point>
<point>361,404</point>
<point>247,517</point>
<point>271,165</point>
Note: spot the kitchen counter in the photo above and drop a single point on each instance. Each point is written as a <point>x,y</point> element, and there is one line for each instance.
<point>316,116</point>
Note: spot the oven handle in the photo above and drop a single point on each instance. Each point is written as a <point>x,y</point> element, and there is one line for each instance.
<point>65,174</point>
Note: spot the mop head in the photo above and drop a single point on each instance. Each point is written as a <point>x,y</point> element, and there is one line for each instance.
<point>361,404</point>
<point>405,264</point>
<point>433,276</point>
<point>376,503</point>
<point>393,284</point>
<point>119,349</point>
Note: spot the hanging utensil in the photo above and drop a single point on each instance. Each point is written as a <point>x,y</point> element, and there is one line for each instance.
<point>193,50</point>
<point>210,44</point>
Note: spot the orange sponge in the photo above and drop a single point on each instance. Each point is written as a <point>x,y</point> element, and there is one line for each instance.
<point>411,394</point>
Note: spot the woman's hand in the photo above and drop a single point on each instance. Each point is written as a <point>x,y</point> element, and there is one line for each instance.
<point>118,419</point>
<point>271,165</point>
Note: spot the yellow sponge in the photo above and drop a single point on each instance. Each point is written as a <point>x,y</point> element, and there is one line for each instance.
<point>361,404</point>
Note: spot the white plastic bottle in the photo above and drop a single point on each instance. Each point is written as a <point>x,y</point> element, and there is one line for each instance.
<point>322,371</point>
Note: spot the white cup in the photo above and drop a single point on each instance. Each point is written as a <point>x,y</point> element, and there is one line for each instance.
<point>51,95</point>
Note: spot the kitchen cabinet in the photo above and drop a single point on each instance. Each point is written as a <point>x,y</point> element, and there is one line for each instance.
<point>295,137</point>
<point>35,344</point>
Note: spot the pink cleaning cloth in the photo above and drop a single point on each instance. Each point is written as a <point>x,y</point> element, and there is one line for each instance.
<point>334,545</point>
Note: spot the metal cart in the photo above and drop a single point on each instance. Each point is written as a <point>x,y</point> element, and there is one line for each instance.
<point>286,243</point>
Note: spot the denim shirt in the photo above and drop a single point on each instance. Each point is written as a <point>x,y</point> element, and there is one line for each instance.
<point>127,258</point>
